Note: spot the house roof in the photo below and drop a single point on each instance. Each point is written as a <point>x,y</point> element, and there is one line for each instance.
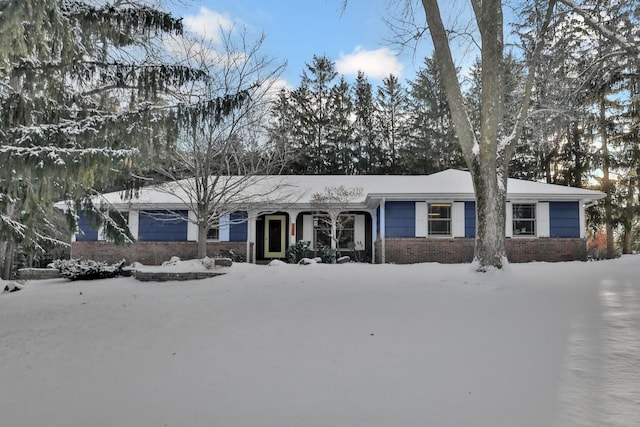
<point>297,190</point>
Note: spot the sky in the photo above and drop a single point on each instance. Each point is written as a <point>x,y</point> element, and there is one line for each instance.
<point>355,38</point>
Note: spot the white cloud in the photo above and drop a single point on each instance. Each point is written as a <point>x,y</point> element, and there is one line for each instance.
<point>208,23</point>
<point>376,64</point>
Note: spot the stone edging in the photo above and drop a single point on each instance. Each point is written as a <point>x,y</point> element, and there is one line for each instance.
<point>150,276</point>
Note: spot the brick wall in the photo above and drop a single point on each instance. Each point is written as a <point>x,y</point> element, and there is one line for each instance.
<point>460,250</point>
<point>410,250</point>
<point>148,253</point>
<point>546,249</point>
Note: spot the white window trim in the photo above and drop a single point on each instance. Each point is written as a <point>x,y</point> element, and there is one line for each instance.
<point>509,223</point>
<point>192,227</point>
<point>543,222</point>
<point>224,229</point>
<point>134,223</point>
<point>359,230</point>
<point>440,236</point>
<point>457,219</point>
<point>422,215</point>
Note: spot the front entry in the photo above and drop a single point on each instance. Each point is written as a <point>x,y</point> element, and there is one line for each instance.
<point>275,236</point>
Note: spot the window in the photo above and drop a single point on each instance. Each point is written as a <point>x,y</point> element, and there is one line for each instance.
<point>213,233</point>
<point>345,230</point>
<point>439,219</point>
<point>524,219</point>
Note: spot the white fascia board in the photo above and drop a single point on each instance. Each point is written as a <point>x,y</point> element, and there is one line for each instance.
<point>554,197</point>
<point>373,200</point>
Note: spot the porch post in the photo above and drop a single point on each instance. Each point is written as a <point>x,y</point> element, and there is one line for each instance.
<point>293,219</point>
<point>251,234</point>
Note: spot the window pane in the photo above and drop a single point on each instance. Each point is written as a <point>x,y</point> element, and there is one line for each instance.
<point>214,228</point>
<point>322,236</point>
<point>524,211</point>
<point>439,223</point>
<point>213,234</point>
<point>524,219</point>
<point>440,210</point>
<point>440,228</point>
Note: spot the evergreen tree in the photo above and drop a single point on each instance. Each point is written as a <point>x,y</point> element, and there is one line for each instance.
<point>83,100</point>
<point>369,154</point>
<point>432,145</point>
<point>311,101</point>
<point>340,154</point>
<point>391,111</point>
<point>281,127</point>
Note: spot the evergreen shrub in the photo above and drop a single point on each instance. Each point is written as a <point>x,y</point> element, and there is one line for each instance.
<point>326,253</point>
<point>297,251</point>
<point>75,269</point>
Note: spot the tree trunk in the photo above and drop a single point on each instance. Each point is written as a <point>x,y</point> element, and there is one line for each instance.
<point>3,251</point>
<point>607,185</point>
<point>628,219</point>
<point>490,245</point>
<point>202,239</point>
<point>488,154</point>
<point>8,260</point>
<point>334,233</point>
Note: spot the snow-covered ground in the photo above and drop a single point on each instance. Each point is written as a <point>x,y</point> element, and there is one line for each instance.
<point>329,345</point>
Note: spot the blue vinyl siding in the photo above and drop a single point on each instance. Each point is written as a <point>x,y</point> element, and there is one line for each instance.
<point>238,230</point>
<point>469,219</point>
<point>564,219</point>
<point>87,232</point>
<point>400,219</point>
<point>154,228</point>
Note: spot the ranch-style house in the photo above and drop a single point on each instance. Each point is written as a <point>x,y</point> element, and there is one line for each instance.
<point>394,219</point>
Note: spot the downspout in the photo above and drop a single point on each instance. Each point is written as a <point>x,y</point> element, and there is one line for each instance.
<point>374,234</point>
<point>383,226</point>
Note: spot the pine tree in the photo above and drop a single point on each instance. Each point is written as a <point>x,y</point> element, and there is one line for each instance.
<point>340,155</point>
<point>311,102</point>
<point>432,145</point>
<point>82,101</point>
<point>369,153</point>
<point>391,110</point>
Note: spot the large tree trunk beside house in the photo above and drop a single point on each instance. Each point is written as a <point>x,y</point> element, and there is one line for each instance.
<point>490,249</point>
<point>486,159</point>
<point>487,152</point>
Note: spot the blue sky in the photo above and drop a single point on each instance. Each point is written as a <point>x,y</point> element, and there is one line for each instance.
<point>355,39</point>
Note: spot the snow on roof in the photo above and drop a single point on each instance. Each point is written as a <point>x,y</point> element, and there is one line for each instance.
<point>298,189</point>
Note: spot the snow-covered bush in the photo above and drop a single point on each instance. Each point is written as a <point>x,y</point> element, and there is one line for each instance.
<point>11,286</point>
<point>230,253</point>
<point>326,253</point>
<point>298,251</point>
<point>74,269</point>
<point>173,261</point>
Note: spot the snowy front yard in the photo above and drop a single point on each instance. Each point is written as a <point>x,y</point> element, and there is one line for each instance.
<point>329,345</point>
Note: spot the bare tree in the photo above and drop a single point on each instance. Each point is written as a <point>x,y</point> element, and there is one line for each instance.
<point>487,150</point>
<point>331,204</point>
<point>219,157</point>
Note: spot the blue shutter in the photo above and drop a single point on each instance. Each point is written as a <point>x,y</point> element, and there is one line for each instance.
<point>469,219</point>
<point>564,219</point>
<point>154,228</point>
<point>400,219</point>
<point>238,230</point>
